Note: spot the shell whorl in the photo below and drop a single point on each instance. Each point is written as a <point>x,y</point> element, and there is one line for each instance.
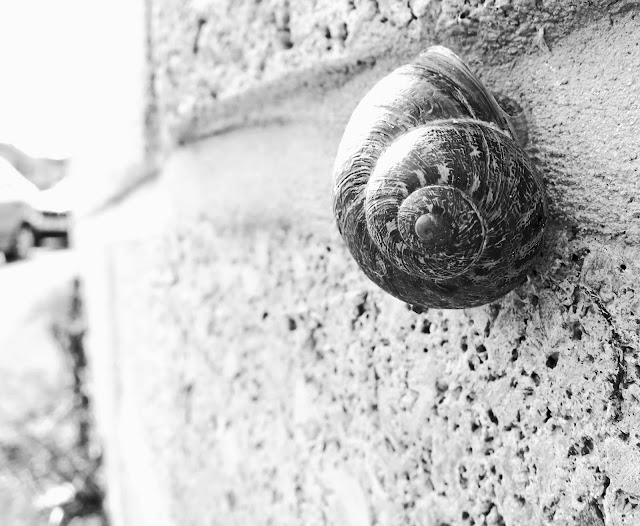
<point>433,196</point>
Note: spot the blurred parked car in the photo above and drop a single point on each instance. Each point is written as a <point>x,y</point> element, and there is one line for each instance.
<point>29,215</point>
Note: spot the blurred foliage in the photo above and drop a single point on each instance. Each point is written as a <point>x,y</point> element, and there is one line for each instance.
<point>50,460</point>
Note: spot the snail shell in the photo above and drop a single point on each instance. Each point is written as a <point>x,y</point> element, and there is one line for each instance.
<point>433,196</point>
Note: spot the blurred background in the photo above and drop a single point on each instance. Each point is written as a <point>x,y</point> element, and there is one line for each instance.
<point>49,458</point>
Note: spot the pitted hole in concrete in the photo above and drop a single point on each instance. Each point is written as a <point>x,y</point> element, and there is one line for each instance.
<point>360,309</point>
<point>587,445</point>
<point>463,344</point>
<point>463,479</point>
<point>480,356</point>
<point>582,448</point>
<point>492,417</point>
<point>282,19</point>
<point>576,330</point>
<point>327,36</point>
<point>487,329</point>
<point>536,378</point>
<point>463,16</point>
<point>552,360</point>
<point>426,326</point>
<point>514,355</point>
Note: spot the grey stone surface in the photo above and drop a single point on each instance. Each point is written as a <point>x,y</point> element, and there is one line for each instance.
<point>255,376</point>
<point>207,54</point>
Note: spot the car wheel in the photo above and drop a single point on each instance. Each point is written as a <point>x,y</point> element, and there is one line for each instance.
<point>64,241</point>
<point>22,244</point>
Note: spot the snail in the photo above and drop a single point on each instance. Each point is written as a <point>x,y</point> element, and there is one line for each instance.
<point>432,194</point>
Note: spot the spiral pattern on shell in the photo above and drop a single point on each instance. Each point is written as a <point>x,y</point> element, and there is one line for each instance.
<point>433,196</point>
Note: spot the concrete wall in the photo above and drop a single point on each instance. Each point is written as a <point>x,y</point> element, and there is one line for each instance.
<point>248,373</point>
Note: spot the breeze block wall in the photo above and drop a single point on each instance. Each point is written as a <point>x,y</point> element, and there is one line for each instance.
<point>247,372</point>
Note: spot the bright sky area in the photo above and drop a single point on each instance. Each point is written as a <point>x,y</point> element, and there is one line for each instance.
<point>42,75</point>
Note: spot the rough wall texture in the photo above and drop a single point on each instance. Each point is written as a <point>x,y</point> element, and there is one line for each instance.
<point>213,58</point>
<point>268,382</point>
